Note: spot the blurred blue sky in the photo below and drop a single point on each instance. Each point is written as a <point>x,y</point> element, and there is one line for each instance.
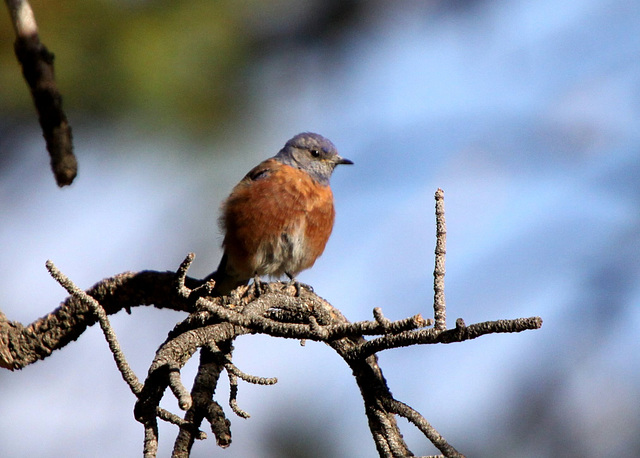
<point>525,113</point>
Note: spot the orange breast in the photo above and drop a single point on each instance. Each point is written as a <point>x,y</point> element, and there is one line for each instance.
<point>277,224</point>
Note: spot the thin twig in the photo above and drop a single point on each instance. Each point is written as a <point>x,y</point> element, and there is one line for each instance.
<point>179,391</point>
<point>423,425</point>
<point>172,418</point>
<point>121,362</point>
<point>254,379</point>
<point>181,275</point>
<point>233,397</point>
<point>458,334</point>
<point>234,374</point>
<point>439,304</point>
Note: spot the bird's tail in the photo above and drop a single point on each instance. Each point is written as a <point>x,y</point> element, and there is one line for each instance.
<point>225,278</point>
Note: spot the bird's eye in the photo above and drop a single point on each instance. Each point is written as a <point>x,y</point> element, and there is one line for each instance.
<point>315,153</point>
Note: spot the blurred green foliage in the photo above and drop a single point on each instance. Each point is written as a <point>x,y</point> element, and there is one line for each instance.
<point>177,63</point>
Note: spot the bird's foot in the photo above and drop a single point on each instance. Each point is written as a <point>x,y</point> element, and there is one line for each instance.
<point>257,285</point>
<point>295,283</point>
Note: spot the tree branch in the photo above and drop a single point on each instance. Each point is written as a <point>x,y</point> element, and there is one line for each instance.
<point>37,69</point>
<point>458,334</point>
<point>23,345</point>
<point>275,309</point>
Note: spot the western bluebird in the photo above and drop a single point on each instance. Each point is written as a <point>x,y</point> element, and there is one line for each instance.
<point>278,219</point>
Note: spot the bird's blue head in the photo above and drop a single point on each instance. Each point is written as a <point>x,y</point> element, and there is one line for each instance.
<point>312,153</point>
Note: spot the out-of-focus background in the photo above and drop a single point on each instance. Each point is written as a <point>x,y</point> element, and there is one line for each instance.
<point>526,113</point>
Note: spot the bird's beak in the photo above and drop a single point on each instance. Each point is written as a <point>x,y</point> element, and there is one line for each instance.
<point>342,160</point>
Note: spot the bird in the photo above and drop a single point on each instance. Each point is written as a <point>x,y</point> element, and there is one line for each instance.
<point>278,218</point>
